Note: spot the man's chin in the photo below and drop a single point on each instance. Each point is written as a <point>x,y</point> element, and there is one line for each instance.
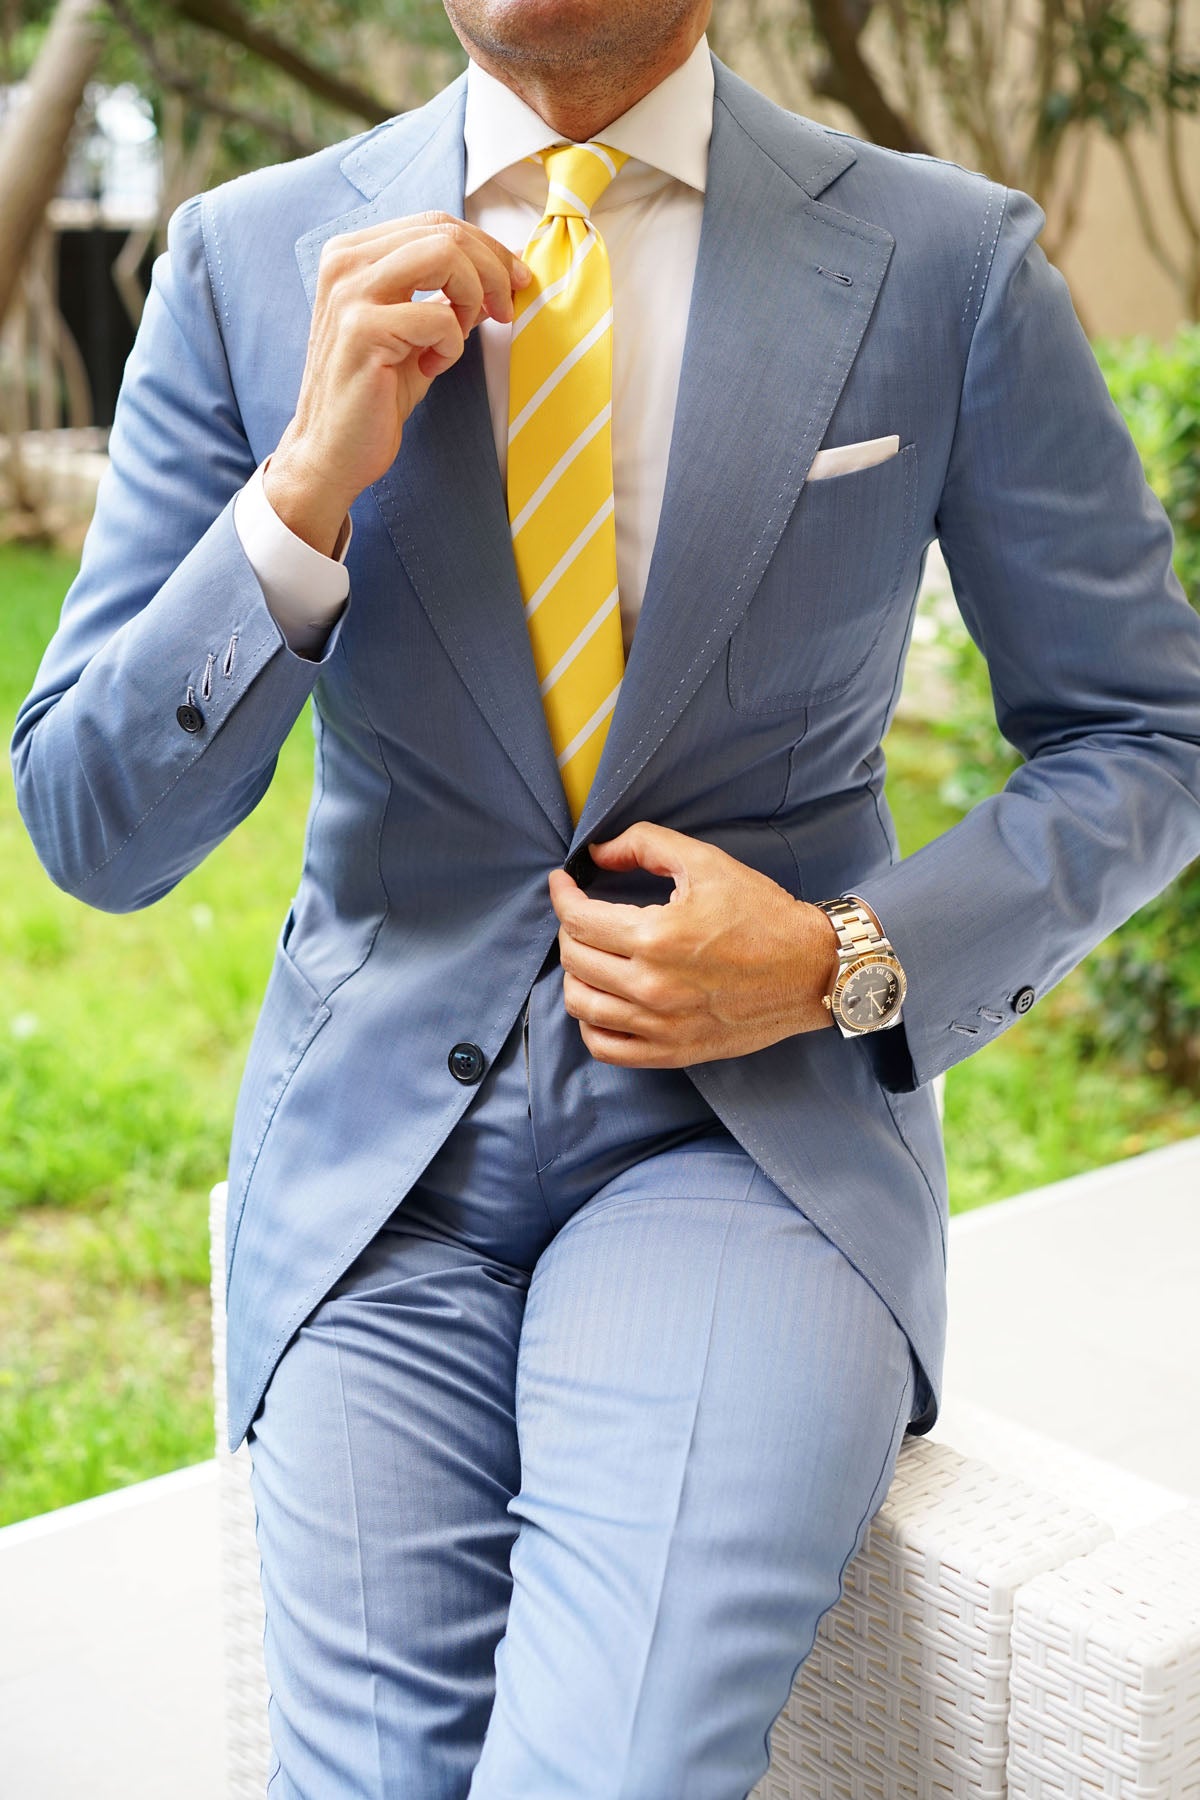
<point>619,34</point>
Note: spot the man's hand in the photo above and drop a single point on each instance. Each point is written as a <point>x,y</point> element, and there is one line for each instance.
<point>374,351</point>
<point>731,963</point>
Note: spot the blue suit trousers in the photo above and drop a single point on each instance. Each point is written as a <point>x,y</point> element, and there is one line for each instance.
<point>555,1484</point>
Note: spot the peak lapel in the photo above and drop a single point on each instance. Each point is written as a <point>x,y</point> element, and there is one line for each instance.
<point>783,292</point>
<point>442,501</point>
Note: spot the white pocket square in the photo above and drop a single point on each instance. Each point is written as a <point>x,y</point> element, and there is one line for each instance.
<point>843,458</point>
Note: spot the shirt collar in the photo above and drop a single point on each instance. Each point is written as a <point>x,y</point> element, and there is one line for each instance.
<point>669,128</point>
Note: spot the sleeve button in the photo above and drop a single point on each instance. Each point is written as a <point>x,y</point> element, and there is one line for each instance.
<point>1023,1000</point>
<point>190,718</point>
<point>466,1063</point>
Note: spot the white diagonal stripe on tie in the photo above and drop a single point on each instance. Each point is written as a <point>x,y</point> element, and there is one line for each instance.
<point>565,366</point>
<point>555,287</point>
<point>560,188</point>
<point>602,153</point>
<point>568,557</point>
<point>568,657</point>
<point>581,737</point>
<point>560,468</point>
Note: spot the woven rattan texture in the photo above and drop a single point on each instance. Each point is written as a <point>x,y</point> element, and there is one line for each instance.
<point>905,1695</point>
<point>1106,1672</point>
<point>247,1740</point>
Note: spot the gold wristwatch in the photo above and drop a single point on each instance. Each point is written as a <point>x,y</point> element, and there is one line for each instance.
<point>869,987</point>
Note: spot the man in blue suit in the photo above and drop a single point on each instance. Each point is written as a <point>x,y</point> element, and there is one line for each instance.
<point>587,1206</point>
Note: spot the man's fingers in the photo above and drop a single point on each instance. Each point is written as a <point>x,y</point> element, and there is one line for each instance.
<point>420,224</point>
<point>625,977</point>
<point>424,325</point>
<point>629,1052</point>
<point>602,969</point>
<point>434,253</point>
<point>425,264</point>
<point>426,333</point>
<point>605,924</point>
<point>655,848</point>
<point>606,1011</point>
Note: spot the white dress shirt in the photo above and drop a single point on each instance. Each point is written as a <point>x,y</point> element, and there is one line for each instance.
<point>650,219</point>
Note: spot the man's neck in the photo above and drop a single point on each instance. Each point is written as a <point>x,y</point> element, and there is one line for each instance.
<point>587,108</point>
<point>581,107</point>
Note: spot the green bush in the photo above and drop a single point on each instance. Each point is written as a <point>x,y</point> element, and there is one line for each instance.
<point>981,759</point>
<point>1144,981</point>
<point>1157,387</point>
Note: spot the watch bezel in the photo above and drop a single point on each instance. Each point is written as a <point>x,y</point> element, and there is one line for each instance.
<point>869,959</point>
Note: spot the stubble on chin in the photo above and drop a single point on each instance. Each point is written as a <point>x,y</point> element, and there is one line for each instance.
<point>569,37</point>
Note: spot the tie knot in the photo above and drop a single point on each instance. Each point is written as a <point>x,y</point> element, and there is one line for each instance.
<point>578,175</point>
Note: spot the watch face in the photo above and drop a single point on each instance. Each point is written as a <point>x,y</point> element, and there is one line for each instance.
<point>870,994</point>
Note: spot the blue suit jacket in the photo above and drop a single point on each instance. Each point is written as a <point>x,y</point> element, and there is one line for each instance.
<point>842,292</point>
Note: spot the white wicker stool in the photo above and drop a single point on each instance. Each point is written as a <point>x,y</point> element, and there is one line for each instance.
<point>247,1740</point>
<point>905,1694</point>
<point>1106,1672</point>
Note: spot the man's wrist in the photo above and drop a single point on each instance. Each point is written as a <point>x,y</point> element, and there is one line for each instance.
<point>827,962</point>
<point>869,984</point>
<point>305,591</point>
<point>304,503</point>
<point>820,967</point>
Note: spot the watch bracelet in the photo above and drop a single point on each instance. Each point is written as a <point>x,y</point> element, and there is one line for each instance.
<point>854,926</point>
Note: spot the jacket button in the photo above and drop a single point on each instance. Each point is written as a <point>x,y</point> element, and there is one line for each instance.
<point>190,717</point>
<point>581,868</point>
<point>1022,1001</point>
<point>466,1063</point>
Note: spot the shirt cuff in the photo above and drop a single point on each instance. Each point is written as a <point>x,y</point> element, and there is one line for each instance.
<point>305,592</point>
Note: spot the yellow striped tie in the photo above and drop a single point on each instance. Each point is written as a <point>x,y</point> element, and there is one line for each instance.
<point>560,483</point>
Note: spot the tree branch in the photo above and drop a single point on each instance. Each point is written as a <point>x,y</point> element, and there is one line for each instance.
<point>202,97</point>
<point>1144,212</point>
<point>856,84</point>
<point>1066,210</point>
<point>228,21</point>
<point>1176,177</point>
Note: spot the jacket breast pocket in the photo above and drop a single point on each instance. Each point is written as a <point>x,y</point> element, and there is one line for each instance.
<point>827,592</point>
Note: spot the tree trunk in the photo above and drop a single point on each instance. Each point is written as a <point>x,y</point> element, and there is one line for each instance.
<point>856,84</point>
<point>35,134</point>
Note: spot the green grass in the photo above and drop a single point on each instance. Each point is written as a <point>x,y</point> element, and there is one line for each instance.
<point>121,1044</point>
